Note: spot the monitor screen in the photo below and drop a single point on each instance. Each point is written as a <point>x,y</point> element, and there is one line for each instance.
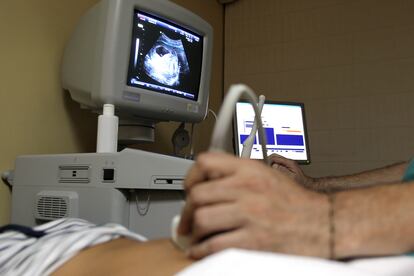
<point>164,57</point>
<point>285,130</point>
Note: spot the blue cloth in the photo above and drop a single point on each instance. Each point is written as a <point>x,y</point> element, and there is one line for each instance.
<point>409,172</point>
<point>408,176</point>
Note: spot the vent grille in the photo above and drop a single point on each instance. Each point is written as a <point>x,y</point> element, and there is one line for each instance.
<point>50,208</point>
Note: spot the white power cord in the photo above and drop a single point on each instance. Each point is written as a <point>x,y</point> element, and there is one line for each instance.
<point>192,134</point>
<point>191,156</point>
<point>214,114</point>
<point>7,177</point>
<point>142,209</point>
<point>248,143</point>
<point>225,116</point>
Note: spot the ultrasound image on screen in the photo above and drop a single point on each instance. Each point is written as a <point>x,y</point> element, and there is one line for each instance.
<point>166,61</point>
<point>164,57</point>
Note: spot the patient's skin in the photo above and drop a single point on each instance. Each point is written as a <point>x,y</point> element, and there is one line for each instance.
<point>127,257</point>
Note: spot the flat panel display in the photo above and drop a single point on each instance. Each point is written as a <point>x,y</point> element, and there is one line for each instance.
<point>285,129</point>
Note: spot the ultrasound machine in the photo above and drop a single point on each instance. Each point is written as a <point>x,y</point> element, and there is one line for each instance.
<point>139,62</point>
<point>151,62</point>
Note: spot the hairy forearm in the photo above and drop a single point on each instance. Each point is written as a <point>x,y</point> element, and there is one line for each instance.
<point>374,221</point>
<point>389,174</point>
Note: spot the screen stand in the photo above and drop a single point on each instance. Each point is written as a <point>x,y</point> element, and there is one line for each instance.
<point>136,131</point>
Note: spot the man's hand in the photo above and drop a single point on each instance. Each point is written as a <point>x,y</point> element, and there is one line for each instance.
<point>290,168</point>
<point>242,203</point>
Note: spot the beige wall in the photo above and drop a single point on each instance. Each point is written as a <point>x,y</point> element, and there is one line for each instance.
<point>350,62</point>
<point>37,116</point>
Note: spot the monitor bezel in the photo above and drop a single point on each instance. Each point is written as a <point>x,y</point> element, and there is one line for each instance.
<point>116,54</point>
<point>302,106</point>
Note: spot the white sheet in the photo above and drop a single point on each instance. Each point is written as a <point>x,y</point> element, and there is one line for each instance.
<point>244,262</point>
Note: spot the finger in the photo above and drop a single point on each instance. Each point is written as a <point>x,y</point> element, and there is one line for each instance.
<point>277,161</point>
<point>213,219</point>
<point>211,165</point>
<point>275,155</point>
<point>186,221</point>
<point>282,169</point>
<point>216,243</point>
<point>219,190</point>
<point>194,175</point>
<point>205,193</point>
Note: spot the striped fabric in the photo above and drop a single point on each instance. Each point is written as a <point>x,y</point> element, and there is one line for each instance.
<point>42,249</point>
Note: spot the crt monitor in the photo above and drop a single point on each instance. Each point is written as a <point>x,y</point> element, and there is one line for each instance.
<point>151,59</point>
<point>285,129</point>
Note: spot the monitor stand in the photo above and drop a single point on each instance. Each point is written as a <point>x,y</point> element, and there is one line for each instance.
<point>135,131</point>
